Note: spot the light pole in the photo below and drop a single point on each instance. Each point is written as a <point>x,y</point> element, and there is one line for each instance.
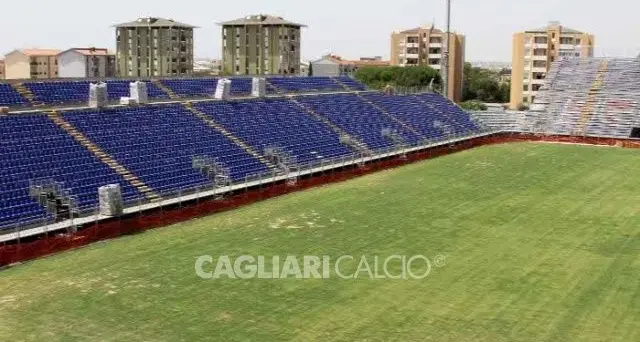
<point>445,64</point>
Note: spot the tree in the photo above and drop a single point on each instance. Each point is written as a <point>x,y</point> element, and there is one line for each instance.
<point>410,77</point>
<point>484,85</point>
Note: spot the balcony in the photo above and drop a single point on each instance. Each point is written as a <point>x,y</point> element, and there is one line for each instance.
<point>539,69</point>
<point>569,47</point>
<point>410,55</point>
<point>539,57</point>
<point>435,45</point>
<point>539,46</point>
<point>413,45</point>
<point>435,55</point>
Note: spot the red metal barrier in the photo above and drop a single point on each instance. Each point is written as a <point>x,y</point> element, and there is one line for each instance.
<point>53,243</point>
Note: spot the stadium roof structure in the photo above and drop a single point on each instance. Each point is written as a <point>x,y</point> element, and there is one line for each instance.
<point>155,22</point>
<point>261,19</point>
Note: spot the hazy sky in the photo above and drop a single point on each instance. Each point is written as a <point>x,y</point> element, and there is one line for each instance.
<point>351,28</point>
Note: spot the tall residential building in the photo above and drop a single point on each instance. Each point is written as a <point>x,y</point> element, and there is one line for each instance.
<point>261,45</point>
<point>154,47</point>
<point>86,63</point>
<point>535,50</point>
<point>425,46</point>
<point>1,69</point>
<point>31,64</point>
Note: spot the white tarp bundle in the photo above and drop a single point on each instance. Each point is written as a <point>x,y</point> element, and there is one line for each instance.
<point>258,87</point>
<point>223,90</point>
<point>98,95</point>
<point>138,92</point>
<point>110,200</point>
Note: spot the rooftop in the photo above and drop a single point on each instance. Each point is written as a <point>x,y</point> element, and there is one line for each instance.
<point>155,22</point>
<point>261,19</point>
<point>554,25</point>
<point>423,28</point>
<point>39,52</point>
<point>90,51</point>
<point>362,62</point>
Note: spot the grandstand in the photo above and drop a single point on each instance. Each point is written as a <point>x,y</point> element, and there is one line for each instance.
<point>481,218</point>
<point>76,92</point>
<point>596,97</point>
<point>305,124</point>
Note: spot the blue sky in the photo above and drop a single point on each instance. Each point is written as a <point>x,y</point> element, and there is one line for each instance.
<point>351,28</point>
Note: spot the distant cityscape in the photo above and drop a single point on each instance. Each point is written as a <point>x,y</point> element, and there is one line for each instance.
<point>270,45</point>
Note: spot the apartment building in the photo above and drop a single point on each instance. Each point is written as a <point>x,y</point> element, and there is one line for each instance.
<point>535,50</point>
<point>425,46</point>
<point>1,69</point>
<point>154,47</point>
<point>332,65</point>
<point>261,45</point>
<point>86,63</point>
<point>31,64</point>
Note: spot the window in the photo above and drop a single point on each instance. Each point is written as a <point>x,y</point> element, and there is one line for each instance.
<point>578,41</point>
<point>525,100</point>
<point>540,40</point>
<point>525,87</point>
<point>540,52</point>
<point>539,64</point>
<point>539,75</point>
<point>566,40</point>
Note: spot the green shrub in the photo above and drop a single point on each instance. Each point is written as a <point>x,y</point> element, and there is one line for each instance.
<point>405,77</point>
<point>473,105</point>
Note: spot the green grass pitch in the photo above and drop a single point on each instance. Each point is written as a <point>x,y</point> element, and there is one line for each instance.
<point>541,243</point>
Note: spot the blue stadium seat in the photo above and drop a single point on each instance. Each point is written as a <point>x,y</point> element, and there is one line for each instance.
<point>157,144</point>
<point>75,92</point>
<point>10,97</point>
<point>206,87</point>
<point>359,118</point>
<point>436,119</point>
<point>277,123</point>
<point>351,83</point>
<point>295,84</point>
<point>32,147</point>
